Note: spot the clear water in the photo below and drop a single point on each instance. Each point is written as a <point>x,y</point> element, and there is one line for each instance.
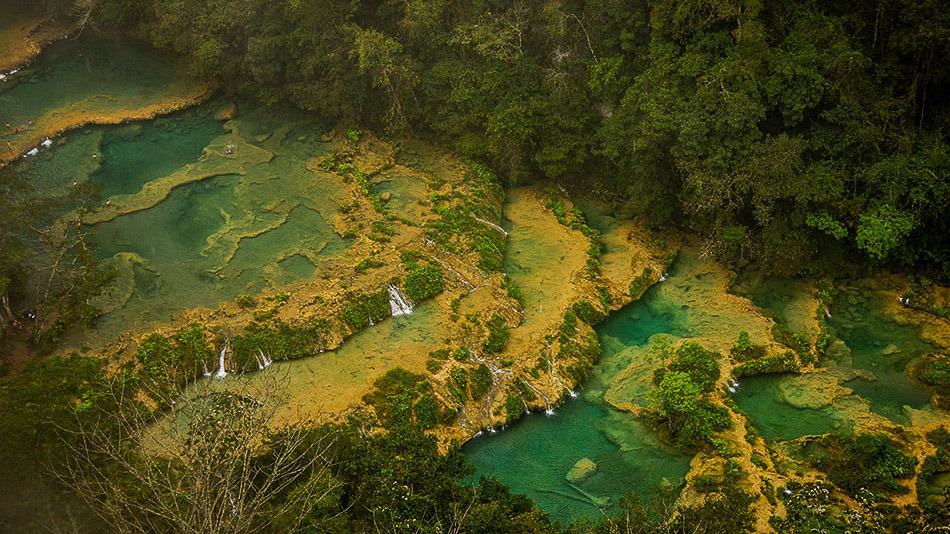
<point>760,399</point>
<point>535,454</point>
<point>212,240</point>
<point>76,80</point>
<point>868,332</point>
<point>135,154</point>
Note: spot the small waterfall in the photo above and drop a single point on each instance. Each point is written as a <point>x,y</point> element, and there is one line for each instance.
<point>663,277</point>
<point>547,403</point>
<point>221,372</point>
<point>398,303</point>
<point>733,385</point>
<point>491,224</point>
<point>262,360</point>
<point>572,393</point>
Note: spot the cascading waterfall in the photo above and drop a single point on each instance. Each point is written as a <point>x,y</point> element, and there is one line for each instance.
<point>398,303</point>
<point>263,361</point>
<point>548,409</point>
<point>733,385</point>
<point>221,372</point>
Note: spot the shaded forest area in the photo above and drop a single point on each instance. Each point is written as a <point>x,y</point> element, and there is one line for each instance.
<point>787,133</point>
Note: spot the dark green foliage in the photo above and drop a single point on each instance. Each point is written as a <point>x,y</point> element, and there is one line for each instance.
<point>774,363</point>
<point>458,385</point>
<point>744,350</point>
<point>367,264</point>
<point>512,289</point>
<point>498,333</point>
<point>245,301</point>
<point>568,328</point>
<point>868,461</point>
<point>481,380</point>
<point>586,312</point>
<point>423,282</point>
<point>677,407</point>
<point>700,364</point>
<point>461,354</point>
<point>361,308</point>
<point>400,482</point>
<point>514,406</point>
<point>177,360</point>
<point>402,398</point>
<point>278,340</point>
<point>39,401</point>
<point>931,497</point>
<point>934,369</point>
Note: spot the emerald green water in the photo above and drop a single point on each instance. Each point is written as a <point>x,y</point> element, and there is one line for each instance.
<point>874,343</point>
<point>89,75</point>
<point>169,239</point>
<point>760,398</point>
<point>533,456</point>
<point>135,154</point>
<point>214,239</point>
<point>264,223</point>
<point>872,336</point>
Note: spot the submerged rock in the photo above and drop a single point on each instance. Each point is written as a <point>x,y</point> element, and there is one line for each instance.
<point>584,468</point>
<point>815,390</point>
<point>890,349</point>
<point>838,350</point>
<point>226,112</point>
<point>385,196</point>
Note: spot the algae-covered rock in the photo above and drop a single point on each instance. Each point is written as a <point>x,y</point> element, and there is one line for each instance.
<point>226,112</point>
<point>890,349</point>
<point>386,196</point>
<point>584,468</point>
<point>815,390</point>
<point>838,350</point>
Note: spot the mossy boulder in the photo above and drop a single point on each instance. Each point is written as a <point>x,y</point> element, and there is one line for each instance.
<point>584,468</point>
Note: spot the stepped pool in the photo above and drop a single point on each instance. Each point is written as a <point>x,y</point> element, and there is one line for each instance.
<point>88,80</point>
<point>202,210</point>
<point>534,454</point>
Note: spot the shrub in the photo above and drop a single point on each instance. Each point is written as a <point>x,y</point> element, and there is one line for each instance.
<point>514,406</point>
<point>424,282</point>
<point>367,264</point>
<point>402,398</point>
<point>361,308</point>
<point>498,334</point>
<point>481,381</point>
<point>458,385</point>
<point>588,313</point>
<point>245,301</point>
<point>677,406</point>
<point>700,364</point>
<point>869,461</point>
<point>744,350</point>
<point>776,363</point>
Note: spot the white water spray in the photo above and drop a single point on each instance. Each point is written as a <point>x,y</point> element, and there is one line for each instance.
<point>221,372</point>
<point>399,304</point>
<point>263,361</point>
